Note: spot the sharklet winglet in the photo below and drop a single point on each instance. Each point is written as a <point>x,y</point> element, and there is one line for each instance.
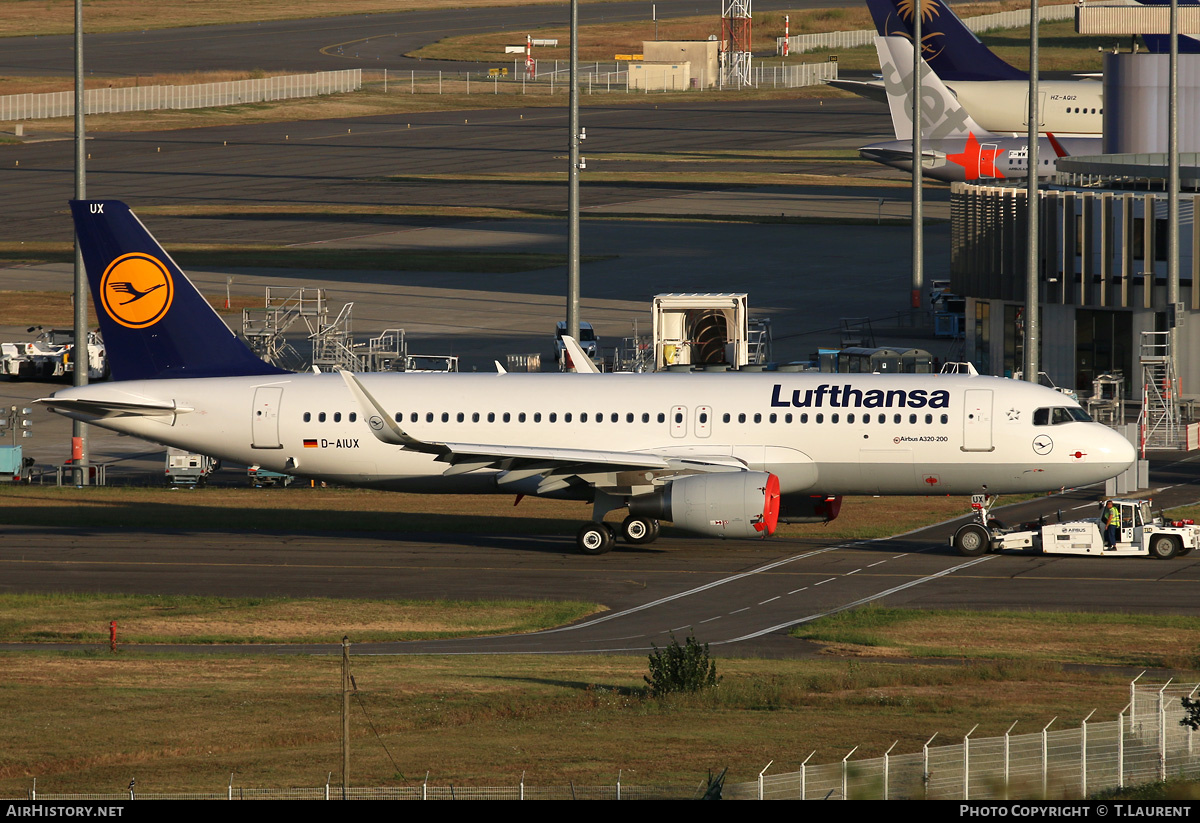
<point>381,423</point>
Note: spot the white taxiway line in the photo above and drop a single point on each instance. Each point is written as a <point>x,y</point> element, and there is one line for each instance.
<point>697,590</point>
<point>864,600</point>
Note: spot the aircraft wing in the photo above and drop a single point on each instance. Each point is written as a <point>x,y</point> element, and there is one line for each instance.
<point>556,465</point>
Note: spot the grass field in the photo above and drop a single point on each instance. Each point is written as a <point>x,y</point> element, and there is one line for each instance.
<point>91,720</point>
<point>84,618</point>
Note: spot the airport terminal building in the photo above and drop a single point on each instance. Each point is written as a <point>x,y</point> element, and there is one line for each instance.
<point>1103,242</point>
<point>1102,269</point>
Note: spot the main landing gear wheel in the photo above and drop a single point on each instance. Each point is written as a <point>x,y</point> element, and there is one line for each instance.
<point>972,540</point>
<point>1163,547</point>
<point>639,530</point>
<point>594,538</point>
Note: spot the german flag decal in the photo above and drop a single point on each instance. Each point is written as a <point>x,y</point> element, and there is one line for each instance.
<point>310,444</point>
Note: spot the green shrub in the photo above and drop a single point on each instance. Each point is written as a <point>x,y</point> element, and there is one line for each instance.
<point>685,668</point>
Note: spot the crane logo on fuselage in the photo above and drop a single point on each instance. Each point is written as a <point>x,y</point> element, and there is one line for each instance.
<point>136,290</point>
<point>848,397</point>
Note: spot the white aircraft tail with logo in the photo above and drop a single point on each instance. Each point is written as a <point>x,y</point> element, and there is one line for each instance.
<point>941,114</point>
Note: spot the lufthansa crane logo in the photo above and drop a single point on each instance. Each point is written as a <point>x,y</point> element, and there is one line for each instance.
<point>136,290</point>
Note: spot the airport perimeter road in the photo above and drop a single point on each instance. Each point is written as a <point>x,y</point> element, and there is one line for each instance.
<point>375,41</point>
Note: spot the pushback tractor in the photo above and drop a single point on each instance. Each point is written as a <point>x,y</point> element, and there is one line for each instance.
<point>1142,534</point>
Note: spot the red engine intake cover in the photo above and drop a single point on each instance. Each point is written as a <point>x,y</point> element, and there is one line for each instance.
<point>770,515</point>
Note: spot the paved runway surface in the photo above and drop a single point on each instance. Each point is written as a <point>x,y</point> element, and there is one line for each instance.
<point>372,160</point>
<point>739,596</point>
<point>374,41</point>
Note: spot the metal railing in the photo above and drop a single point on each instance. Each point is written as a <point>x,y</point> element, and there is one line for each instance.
<point>594,79</point>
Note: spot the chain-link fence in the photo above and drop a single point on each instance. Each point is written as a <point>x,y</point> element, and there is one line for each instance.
<point>594,78</point>
<point>424,792</point>
<point>1145,744</point>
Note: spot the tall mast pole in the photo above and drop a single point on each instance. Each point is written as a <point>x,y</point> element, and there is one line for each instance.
<point>1030,365</point>
<point>79,444</point>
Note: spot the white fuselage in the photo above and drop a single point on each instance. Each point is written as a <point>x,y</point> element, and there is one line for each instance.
<point>820,433</point>
<point>1069,107</point>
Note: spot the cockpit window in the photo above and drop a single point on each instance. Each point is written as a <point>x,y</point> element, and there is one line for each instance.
<point>1059,415</point>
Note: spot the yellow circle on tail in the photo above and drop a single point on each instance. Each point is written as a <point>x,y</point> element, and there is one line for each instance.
<point>136,290</point>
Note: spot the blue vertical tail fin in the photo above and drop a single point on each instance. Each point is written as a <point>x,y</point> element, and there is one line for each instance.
<point>155,322</point>
<point>950,48</point>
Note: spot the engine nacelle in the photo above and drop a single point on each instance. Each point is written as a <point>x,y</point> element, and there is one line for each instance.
<point>809,508</point>
<point>722,504</point>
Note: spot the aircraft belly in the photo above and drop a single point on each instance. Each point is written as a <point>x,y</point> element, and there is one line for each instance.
<point>882,469</point>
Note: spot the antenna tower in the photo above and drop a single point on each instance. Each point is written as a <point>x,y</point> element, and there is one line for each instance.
<point>735,42</point>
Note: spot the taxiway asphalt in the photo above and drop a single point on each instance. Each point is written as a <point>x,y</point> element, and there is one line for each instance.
<point>374,41</point>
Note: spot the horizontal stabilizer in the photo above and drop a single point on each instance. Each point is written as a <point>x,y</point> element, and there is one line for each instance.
<point>111,408</point>
<point>870,89</point>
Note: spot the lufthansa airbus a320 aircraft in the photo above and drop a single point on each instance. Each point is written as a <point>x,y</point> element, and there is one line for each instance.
<point>730,455</point>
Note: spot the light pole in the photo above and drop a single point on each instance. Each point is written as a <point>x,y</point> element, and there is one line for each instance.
<point>1032,325</point>
<point>79,444</point>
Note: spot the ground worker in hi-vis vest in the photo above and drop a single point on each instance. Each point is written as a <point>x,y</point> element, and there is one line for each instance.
<point>1111,520</point>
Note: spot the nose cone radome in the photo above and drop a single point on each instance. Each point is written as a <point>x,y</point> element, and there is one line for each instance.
<point>1115,453</point>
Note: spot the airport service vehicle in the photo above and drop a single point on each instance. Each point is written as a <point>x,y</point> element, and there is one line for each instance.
<point>14,466</point>
<point>1143,534</point>
<point>261,478</point>
<point>188,469</point>
<point>51,356</point>
<point>587,339</point>
<point>717,454</point>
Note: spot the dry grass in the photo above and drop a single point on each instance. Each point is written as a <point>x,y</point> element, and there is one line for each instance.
<point>91,722</point>
<point>55,309</point>
<point>58,618</point>
<point>673,177</point>
<point>1159,641</point>
<point>603,41</point>
<point>252,255</point>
